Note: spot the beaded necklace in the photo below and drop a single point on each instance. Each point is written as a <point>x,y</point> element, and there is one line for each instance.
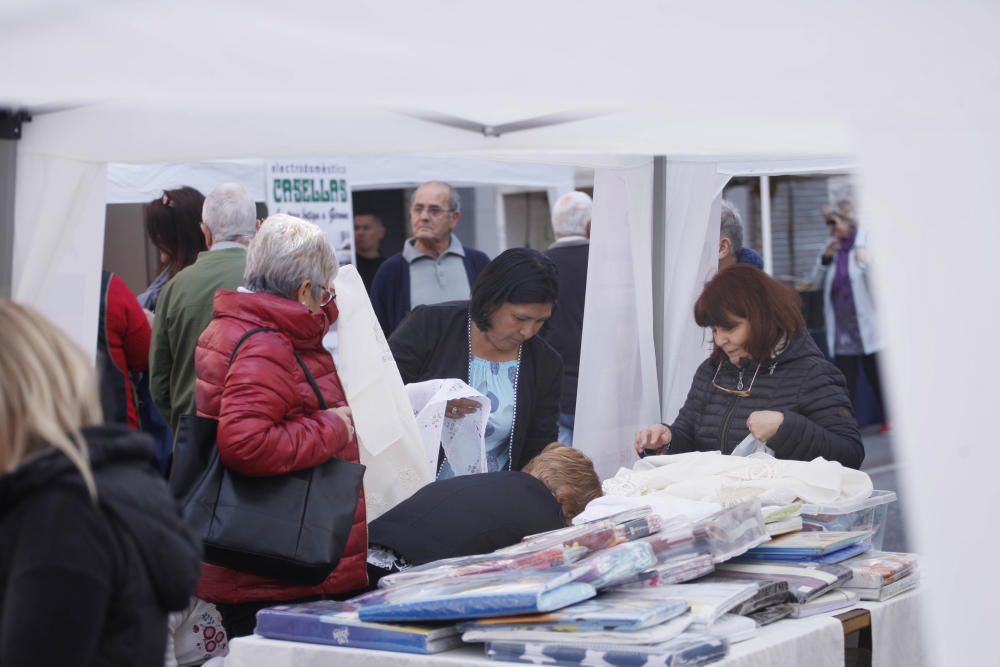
<point>513,418</point>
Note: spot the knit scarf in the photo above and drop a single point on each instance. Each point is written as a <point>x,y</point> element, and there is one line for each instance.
<point>841,278</point>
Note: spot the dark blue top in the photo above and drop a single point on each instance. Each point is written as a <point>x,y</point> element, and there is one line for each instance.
<point>750,256</point>
<point>466,515</point>
<point>564,330</point>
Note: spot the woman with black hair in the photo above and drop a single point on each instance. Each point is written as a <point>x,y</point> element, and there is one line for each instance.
<point>490,342</point>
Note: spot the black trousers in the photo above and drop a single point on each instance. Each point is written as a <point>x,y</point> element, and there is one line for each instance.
<point>239,620</point>
<point>849,365</point>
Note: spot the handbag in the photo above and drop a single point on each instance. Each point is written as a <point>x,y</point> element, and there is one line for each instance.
<point>293,526</point>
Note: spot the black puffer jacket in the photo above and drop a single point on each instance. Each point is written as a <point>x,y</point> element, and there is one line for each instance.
<point>84,583</point>
<point>799,382</point>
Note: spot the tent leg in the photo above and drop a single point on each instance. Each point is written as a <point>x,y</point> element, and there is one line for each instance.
<point>765,224</point>
<point>659,269</point>
<point>8,170</point>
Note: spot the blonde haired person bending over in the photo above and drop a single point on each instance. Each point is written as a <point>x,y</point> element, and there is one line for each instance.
<point>93,553</point>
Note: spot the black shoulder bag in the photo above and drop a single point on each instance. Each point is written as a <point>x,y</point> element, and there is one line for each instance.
<point>293,526</point>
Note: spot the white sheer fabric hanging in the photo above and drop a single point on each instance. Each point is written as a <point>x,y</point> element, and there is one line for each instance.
<point>59,241</point>
<point>388,438</point>
<point>618,389</point>
<point>690,257</point>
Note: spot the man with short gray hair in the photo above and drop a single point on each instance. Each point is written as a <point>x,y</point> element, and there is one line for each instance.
<point>564,330</point>
<point>434,266</point>
<point>731,248</point>
<point>229,221</point>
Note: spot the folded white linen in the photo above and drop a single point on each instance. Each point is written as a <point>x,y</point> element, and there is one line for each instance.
<point>712,477</point>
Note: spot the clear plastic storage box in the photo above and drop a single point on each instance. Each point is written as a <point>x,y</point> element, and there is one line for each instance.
<point>868,514</point>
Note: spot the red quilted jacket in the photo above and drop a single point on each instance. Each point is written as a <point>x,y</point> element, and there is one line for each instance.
<point>270,422</point>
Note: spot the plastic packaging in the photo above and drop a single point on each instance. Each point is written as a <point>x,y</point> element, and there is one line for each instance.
<point>732,531</point>
<point>868,514</point>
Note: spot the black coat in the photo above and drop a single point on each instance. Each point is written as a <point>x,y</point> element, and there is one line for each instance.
<point>432,343</point>
<point>799,382</point>
<point>564,330</point>
<point>465,515</point>
<point>85,583</point>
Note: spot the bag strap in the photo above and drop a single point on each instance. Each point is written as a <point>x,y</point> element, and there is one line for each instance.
<point>312,381</point>
<point>302,364</point>
<point>243,339</point>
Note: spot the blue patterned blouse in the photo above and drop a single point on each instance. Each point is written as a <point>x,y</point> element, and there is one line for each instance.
<point>495,381</point>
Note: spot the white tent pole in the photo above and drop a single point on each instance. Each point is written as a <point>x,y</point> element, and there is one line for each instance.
<point>8,171</point>
<point>765,224</point>
<point>659,271</point>
<point>10,133</point>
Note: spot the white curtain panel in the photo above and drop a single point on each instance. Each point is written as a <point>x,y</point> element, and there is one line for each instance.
<point>390,442</point>
<point>618,389</point>
<point>937,232</point>
<point>690,257</point>
<point>59,241</point>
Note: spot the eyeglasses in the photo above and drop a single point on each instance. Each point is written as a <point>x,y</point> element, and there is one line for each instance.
<point>326,296</point>
<point>739,391</point>
<point>433,211</point>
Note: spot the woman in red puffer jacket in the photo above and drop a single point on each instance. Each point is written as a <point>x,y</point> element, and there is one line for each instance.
<point>270,420</point>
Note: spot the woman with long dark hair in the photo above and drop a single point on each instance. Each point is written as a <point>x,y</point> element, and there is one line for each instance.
<point>490,342</point>
<point>765,376</point>
<point>173,225</point>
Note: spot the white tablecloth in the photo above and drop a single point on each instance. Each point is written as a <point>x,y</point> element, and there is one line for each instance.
<point>817,641</point>
<point>897,631</point>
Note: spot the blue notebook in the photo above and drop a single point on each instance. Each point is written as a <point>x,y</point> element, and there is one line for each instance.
<point>478,596</point>
<point>338,624</point>
<point>808,545</point>
<point>837,556</point>
<point>609,611</point>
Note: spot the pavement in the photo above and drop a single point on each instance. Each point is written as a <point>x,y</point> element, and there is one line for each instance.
<point>880,464</point>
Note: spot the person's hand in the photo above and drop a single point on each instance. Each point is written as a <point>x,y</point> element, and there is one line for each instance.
<point>763,424</point>
<point>861,255</point>
<point>457,408</point>
<point>656,436</point>
<point>832,247</point>
<point>345,414</point>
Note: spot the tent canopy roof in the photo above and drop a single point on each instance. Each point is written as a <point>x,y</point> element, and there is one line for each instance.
<point>135,82</point>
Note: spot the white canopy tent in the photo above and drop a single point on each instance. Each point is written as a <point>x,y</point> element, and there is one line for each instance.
<point>909,89</point>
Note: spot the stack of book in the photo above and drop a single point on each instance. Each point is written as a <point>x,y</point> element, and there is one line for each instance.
<point>338,624</point>
<point>882,575</point>
<point>824,604</point>
<point>811,547</point>
<point>781,519</point>
<point>806,581</point>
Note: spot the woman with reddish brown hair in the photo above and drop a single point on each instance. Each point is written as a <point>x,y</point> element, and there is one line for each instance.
<point>765,376</point>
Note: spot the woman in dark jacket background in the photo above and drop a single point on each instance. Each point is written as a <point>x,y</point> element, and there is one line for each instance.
<point>173,225</point>
<point>490,343</point>
<point>93,552</point>
<point>270,418</point>
<point>765,376</point>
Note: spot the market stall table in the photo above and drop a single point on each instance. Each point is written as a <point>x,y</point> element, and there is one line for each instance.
<point>817,641</point>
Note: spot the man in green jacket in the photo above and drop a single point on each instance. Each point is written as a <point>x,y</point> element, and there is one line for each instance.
<point>229,221</point>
